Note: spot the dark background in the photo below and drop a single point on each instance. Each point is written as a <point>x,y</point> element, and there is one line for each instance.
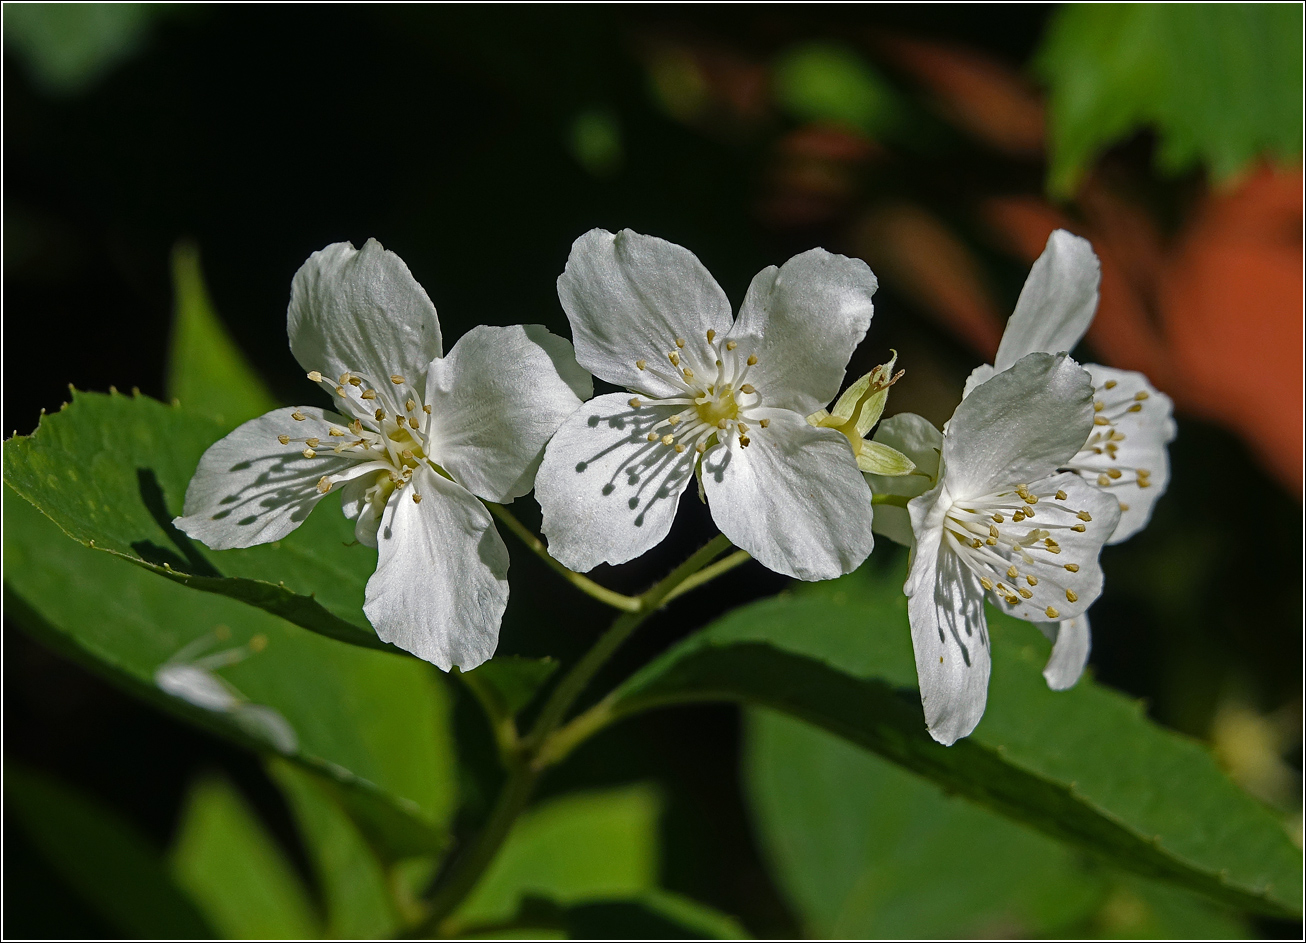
<point>265,133</point>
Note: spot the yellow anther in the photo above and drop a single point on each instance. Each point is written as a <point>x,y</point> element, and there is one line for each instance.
<point>1117,436</point>
<point>1114,472</point>
<point>700,448</point>
<point>752,359</point>
<point>1110,384</point>
<point>731,345</point>
<point>976,543</point>
<point>1003,590</point>
<point>720,423</point>
<point>652,436</point>
<point>1084,516</point>
<point>1017,517</point>
<point>283,439</point>
<point>747,388</point>
<point>680,342</point>
<point>1024,593</point>
<point>355,381</point>
<point>340,391</point>
<point>309,453</point>
<point>396,379</point>
<point>324,484</point>
<point>1136,408</point>
<point>1143,473</point>
<point>641,364</point>
<point>410,406</point>
<point>1031,498</point>
<point>407,455</point>
<point>674,358</point>
<point>1123,506</point>
<point>1101,421</point>
<point>993,530</point>
<point>680,447</point>
<point>668,439</point>
<point>674,418</point>
<point>1072,567</point>
<point>368,394</point>
<point>634,402</point>
<point>1103,480</point>
<point>356,427</point>
<point>1031,579</point>
<point>336,432</point>
<point>689,374</point>
<point>991,541</point>
<point>1012,572</point>
<point>380,414</point>
<point>1013,601</point>
<point>1027,510</point>
<point>999,518</point>
<point>1079,528</point>
<point>427,409</point>
<point>1061,496</point>
<point>298,416</point>
<point>312,443</point>
<point>764,423</point>
<point>711,335</point>
<point>417,498</point>
<point>743,441</point>
<point>315,376</point>
<point>344,377</point>
<point>1143,483</point>
<point>1072,596</point>
<point>1051,613</point>
<point>986,583</point>
<point>258,642</point>
<point>1141,395</point>
<point>1098,406</point>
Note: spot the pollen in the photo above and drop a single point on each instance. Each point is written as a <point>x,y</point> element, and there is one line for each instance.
<point>1123,506</point>
<point>1024,593</point>
<point>324,484</point>
<point>652,436</point>
<point>298,416</point>
<point>1103,480</point>
<point>1072,596</point>
<point>752,360</point>
<point>1101,421</point>
<point>336,432</point>
<point>674,358</point>
<point>312,443</point>
<point>1110,384</point>
<point>1072,567</point>
<point>680,447</point>
<point>668,439</point>
<point>731,345</point>
<point>1027,511</point>
<point>1098,406</point>
<point>993,532</point>
<point>1017,517</point>
<point>748,388</point>
<point>689,374</point>
<point>396,379</point>
<point>635,403</point>
<point>309,453</point>
<point>380,414</point>
<point>764,423</point>
<point>315,376</point>
<point>641,364</point>
<point>700,448</point>
<point>1013,601</point>
<point>1051,613</point>
<point>1079,528</point>
<point>986,583</point>
<point>1031,579</point>
<point>743,441</point>
<point>711,335</point>
<point>283,439</point>
<point>417,498</point>
<point>680,342</point>
<point>426,409</point>
<point>674,418</point>
<point>355,381</point>
<point>368,394</point>
<point>1012,573</point>
<point>999,518</point>
<point>410,406</point>
<point>1136,408</point>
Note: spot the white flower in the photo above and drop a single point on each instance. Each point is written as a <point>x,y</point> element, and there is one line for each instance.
<point>1125,453</point>
<point>857,411</point>
<point>1002,521</point>
<point>724,397</point>
<point>420,437</point>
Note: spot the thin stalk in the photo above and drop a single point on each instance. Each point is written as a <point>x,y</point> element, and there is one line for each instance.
<point>893,500</point>
<point>583,583</point>
<point>708,573</point>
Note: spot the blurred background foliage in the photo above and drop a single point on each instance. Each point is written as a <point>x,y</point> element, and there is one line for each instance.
<point>941,144</point>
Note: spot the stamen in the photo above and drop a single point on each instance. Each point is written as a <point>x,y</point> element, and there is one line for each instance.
<point>711,335</point>
<point>764,423</point>
<point>701,447</point>
<point>752,360</point>
<point>1084,516</point>
<point>1079,528</point>
<point>668,439</point>
<point>1072,596</point>
<point>747,388</point>
<point>999,518</point>
<point>634,402</point>
<point>427,409</point>
<point>1061,496</point>
<point>986,583</point>
<point>380,414</point>
<point>336,432</point>
<point>356,427</point>
<point>674,358</point>
<point>312,443</point>
<point>1123,506</point>
<point>1098,406</point>
<point>368,394</point>
<point>1113,472</point>
<point>1051,613</point>
<point>417,498</point>
<point>1012,601</point>
<point>679,448</point>
<point>340,391</point>
<point>674,418</point>
<point>1101,421</point>
<point>355,381</point>
<point>1031,579</point>
<point>1024,593</point>
<point>641,364</point>
<point>298,416</point>
<point>1136,408</point>
<point>652,436</point>
<point>1012,573</point>
<point>283,439</point>
<point>1103,480</point>
<point>993,532</point>
<point>1141,395</point>
<point>731,345</point>
<point>743,441</point>
<point>324,484</point>
<point>1110,384</point>
<point>1072,567</point>
<point>689,374</point>
<point>396,379</point>
<point>409,406</point>
<point>309,453</point>
<point>315,376</point>
<point>680,342</point>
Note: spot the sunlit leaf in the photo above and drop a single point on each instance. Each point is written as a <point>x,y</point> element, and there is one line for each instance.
<point>1084,766</point>
<point>352,878</point>
<point>235,870</point>
<point>834,85</point>
<point>377,723</point>
<point>1220,82</point>
<point>104,858</point>
<point>206,371</point>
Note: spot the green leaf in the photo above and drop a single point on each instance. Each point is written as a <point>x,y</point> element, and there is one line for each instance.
<point>376,723</point>
<point>235,870</point>
<point>103,857</point>
<point>579,847</point>
<point>833,84</point>
<point>1221,83</point>
<point>508,683</point>
<point>1084,766</point>
<point>352,878</point>
<point>69,46</point>
<point>112,472</point>
<point>206,371</point>
<point>652,915</point>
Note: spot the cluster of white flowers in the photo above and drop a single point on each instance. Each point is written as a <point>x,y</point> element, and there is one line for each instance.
<point>1042,464</point>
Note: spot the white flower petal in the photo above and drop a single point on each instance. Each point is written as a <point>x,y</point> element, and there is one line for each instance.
<point>496,400</point>
<point>1057,303</point>
<point>949,633</point>
<point>363,500</point>
<point>915,437</point>
<point>1071,643</point>
<point>441,581</point>
<point>608,494</point>
<point>981,374</point>
<point>1121,465</point>
<point>1018,427</point>
<point>793,498</point>
<point>629,297</point>
<point>196,686</point>
<point>361,310</point>
<point>250,489</point>
<point>803,321</point>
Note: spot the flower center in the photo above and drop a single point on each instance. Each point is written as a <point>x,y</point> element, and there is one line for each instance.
<point>1098,461</point>
<point>1020,564</point>
<point>388,431</point>
<point>710,382</point>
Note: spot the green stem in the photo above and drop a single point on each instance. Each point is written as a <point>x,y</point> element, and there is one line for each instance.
<point>893,500</point>
<point>708,573</point>
<point>583,583</point>
<point>525,766</point>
